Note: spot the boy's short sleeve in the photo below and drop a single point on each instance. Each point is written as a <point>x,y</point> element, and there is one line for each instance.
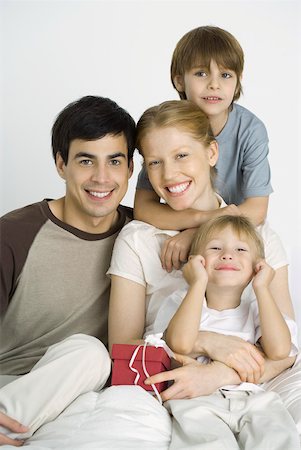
<point>143,181</point>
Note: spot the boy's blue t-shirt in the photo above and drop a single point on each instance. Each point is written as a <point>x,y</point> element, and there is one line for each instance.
<point>242,168</point>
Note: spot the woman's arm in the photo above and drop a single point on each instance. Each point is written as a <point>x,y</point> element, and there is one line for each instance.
<point>126,312</point>
<point>275,335</point>
<point>183,328</point>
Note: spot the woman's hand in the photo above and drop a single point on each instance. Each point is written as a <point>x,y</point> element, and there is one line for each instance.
<point>246,359</point>
<point>12,425</point>
<point>175,250</point>
<point>193,379</point>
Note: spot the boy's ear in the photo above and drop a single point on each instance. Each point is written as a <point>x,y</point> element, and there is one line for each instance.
<point>213,153</point>
<point>179,83</point>
<point>60,165</point>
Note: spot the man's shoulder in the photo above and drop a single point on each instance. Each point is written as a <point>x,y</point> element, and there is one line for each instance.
<point>137,227</point>
<point>25,216</point>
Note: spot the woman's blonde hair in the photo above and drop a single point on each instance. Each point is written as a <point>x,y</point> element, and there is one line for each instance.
<point>181,114</point>
<point>239,224</point>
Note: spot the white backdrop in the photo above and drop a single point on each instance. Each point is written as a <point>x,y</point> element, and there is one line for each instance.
<point>53,52</point>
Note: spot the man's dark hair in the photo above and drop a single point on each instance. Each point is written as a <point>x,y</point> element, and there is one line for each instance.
<point>91,118</point>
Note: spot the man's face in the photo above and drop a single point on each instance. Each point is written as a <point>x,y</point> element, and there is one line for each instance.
<point>96,176</point>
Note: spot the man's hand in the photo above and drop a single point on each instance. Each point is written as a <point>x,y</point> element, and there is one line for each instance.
<point>236,353</point>
<point>194,379</point>
<point>14,426</point>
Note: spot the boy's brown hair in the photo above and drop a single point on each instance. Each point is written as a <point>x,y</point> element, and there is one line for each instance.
<point>203,44</point>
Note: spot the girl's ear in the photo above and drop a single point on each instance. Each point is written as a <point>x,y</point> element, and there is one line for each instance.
<point>213,153</point>
<point>179,83</point>
<point>60,165</point>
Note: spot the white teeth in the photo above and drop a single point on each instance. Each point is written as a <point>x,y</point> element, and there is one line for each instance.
<point>212,98</point>
<point>179,188</point>
<point>99,194</point>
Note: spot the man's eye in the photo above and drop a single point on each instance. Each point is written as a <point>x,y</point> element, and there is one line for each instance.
<point>85,162</point>
<point>114,162</point>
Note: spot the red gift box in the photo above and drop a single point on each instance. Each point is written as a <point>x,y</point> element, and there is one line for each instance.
<point>156,360</point>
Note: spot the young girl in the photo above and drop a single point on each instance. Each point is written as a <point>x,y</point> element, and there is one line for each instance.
<point>207,66</point>
<point>226,254</point>
<point>180,154</point>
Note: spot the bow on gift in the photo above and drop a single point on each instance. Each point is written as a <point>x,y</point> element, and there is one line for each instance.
<point>155,341</point>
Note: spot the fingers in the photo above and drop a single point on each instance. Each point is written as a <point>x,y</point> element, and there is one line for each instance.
<point>12,424</point>
<point>249,366</point>
<point>4,440</point>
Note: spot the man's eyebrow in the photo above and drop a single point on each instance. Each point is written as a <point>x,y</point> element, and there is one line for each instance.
<point>84,155</point>
<point>117,155</point>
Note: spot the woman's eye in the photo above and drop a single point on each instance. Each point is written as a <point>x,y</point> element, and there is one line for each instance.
<point>181,155</point>
<point>153,163</point>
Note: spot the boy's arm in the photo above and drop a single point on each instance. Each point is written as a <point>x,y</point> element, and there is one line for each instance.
<point>275,335</point>
<point>255,208</point>
<point>147,208</point>
<point>183,328</point>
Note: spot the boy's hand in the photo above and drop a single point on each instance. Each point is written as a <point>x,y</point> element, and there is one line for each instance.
<point>12,425</point>
<point>194,270</point>
<point>264,275</point>
<point>175,250</point>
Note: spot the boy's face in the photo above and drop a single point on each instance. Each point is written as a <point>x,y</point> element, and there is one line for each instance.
<point>96,176</point>
<point>178,167</point>
<point>212,89</point>
<point>229,260</point>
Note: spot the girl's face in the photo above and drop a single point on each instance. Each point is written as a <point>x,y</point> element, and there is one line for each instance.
<point>178,167</point>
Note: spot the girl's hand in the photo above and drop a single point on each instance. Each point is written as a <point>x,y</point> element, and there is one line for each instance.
<point>194,270</point>
<point>175,250</point>
<point>264,275</point>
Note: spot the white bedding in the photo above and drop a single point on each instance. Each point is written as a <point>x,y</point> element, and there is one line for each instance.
<point>116,418</point>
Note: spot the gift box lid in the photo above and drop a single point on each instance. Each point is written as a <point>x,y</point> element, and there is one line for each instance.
<point>155,354</point>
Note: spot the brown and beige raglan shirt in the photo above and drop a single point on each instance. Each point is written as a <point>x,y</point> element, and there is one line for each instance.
<point>53,283</point>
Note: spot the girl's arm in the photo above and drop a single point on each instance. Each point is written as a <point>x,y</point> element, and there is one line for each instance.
<point>275,335</point>
<point>126,312</point>
<point>183,328</point>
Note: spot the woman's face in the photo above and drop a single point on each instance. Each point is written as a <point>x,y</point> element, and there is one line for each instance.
<point>178,167</point>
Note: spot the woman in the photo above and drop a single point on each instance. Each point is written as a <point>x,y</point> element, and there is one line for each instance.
<point>180,153</point>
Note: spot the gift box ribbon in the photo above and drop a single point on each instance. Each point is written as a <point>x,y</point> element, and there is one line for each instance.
<point>152,340</point>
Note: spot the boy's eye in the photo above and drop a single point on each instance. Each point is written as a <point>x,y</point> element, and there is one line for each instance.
<point>215,248</point>
<point>242,249</point>
<point>226,75</point>
<point>200,73</point>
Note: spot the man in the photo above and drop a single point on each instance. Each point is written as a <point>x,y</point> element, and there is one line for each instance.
<point>54,259</point>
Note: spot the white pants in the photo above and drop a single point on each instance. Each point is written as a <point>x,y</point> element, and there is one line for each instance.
<point>233,420</point>
<point>76,365</point>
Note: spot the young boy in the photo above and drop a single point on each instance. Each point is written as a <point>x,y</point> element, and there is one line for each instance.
<point>227,253</point>
<point>206,68</point>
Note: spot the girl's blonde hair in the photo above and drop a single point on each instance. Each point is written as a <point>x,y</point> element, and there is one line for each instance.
<point>240,225</point>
